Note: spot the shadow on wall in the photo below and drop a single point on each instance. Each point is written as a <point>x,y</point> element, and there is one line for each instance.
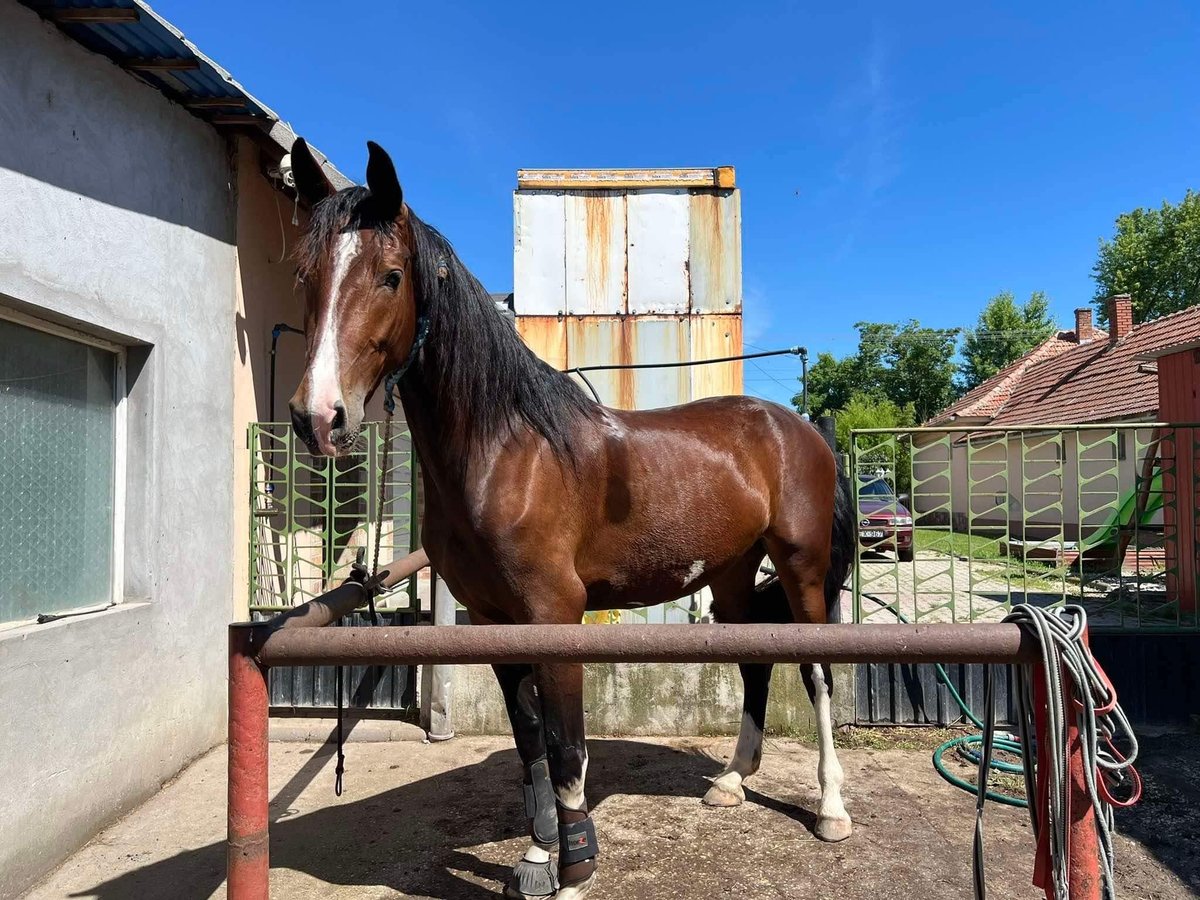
<point>414,839</point>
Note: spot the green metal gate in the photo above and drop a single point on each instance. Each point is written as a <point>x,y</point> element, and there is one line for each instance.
<point>310,519</point>
<point>958,524</point>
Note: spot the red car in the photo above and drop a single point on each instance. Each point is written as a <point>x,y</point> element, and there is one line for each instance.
<point>884,522</point>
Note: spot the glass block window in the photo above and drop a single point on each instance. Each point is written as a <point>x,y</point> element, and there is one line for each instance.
<point>58,442</point>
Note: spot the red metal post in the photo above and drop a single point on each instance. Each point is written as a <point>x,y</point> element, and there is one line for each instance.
<point>1083,842</point>
<point>248,858</point>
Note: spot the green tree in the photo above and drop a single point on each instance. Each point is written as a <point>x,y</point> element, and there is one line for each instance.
<point>906,363</point>
<point>887,454</point>
<point>1005,332</point>
<point>1154,256</point>
<point>866,411</point>
<point>832,382</point>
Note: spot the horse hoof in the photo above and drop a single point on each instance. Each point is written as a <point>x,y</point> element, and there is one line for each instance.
<point>576,891</point>
<point>833,830</point>
<point>721,796</point>
<point>533,881</point>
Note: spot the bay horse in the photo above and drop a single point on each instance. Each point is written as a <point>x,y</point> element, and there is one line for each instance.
<point>542,504</point>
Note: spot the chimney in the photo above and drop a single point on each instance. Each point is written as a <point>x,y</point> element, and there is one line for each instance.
<point>1120,316</point>
<point>1083,324</point>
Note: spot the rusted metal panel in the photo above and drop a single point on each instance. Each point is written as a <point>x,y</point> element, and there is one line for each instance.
<point>575,179</point>
<point>604,341</point>
<point>714,337</point>
<point>659,231</point>
<point>715,252</point>
<point>622,340</point>
<point>595,253</point>
<point>546,336</point>
<point>945,643</point>
<point>539,275</point>
<point>661,340</point>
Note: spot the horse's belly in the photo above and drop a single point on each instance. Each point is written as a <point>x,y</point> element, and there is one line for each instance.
<point>636,583</point>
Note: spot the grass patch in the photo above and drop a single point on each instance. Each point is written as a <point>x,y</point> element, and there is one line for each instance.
<point>969,546</point>
<point>989,549</point>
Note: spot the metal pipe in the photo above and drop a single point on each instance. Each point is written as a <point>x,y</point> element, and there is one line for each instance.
<point>804,380</point>
<point>946,643</point>
<point>345,598</point>
<point>280,328</point>
<point>248,848</point>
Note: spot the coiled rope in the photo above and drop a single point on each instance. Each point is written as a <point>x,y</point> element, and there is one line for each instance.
<point>1076,687</point>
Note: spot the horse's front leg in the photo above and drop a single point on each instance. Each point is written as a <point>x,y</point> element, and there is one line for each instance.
<point>561,689</point>
<point>535,875</point>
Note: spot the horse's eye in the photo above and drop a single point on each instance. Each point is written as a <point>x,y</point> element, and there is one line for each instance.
<point>391,280</point>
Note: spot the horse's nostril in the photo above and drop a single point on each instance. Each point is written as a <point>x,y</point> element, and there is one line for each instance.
<point>302,424</point>
<point>339,416</point>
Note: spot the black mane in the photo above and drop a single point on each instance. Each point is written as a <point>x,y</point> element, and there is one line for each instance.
<point>484,378</point>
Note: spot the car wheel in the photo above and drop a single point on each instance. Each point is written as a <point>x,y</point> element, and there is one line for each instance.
<point>905,554</point>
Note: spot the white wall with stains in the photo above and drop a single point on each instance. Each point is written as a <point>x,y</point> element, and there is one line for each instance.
<point>117,216</point>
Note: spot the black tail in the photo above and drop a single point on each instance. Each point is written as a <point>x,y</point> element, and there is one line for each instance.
<point>841,548</point>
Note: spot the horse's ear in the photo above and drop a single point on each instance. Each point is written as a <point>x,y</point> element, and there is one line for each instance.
<point>382,180</point>
<point>311,181</point>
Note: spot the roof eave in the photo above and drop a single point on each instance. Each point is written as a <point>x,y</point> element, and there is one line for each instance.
<point>226,105</point>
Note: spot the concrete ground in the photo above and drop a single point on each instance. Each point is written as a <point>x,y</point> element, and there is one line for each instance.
<point>445,821</point>
<point>936,587</point>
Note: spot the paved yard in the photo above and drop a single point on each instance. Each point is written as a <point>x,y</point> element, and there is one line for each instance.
<point>444,821</point>
<point>938,588</point>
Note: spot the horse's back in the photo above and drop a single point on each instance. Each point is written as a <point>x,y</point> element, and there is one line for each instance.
<point>750,427</point>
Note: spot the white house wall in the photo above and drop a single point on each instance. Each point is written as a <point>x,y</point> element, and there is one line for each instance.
<point>118,218</point>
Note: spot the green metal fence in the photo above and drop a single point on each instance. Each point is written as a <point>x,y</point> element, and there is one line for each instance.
<point>958,524</point>
<point>311,517</point>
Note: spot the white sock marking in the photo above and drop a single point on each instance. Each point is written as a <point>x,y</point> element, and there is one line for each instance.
<point>746,756</point>
<point>536,854</point>
<point>829,769</point>
<point>571,795</point>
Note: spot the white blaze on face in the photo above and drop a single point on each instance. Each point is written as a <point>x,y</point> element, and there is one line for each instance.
<point>324,387</point>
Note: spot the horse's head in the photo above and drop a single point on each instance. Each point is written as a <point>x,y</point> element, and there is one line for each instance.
<point>360,317</point>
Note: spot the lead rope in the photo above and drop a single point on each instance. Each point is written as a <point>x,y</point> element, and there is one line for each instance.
<point>1061,634</point>
<point>371,583</point>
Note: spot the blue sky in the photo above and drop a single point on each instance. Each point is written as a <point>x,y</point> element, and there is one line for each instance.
<point>894,161</point>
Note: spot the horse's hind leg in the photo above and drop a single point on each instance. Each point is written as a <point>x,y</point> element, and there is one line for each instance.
<point>833,822</point>
<point>727,787</point>
<point>735,602</point>
<point>802,574</point>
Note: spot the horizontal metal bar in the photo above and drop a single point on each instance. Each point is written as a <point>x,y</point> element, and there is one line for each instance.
<point>577,179</point>
<point>410,645</point>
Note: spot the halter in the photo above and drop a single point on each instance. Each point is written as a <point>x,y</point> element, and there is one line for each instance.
<point>390,382</point>
<point>372,583</point>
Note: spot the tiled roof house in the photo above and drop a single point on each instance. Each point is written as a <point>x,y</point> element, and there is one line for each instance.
<point>1080,376</point>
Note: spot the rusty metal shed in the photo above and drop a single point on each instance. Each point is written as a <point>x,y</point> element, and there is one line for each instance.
<point>622,266</point>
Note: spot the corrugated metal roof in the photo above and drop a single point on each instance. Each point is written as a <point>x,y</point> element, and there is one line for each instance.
<point>150,48</point>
